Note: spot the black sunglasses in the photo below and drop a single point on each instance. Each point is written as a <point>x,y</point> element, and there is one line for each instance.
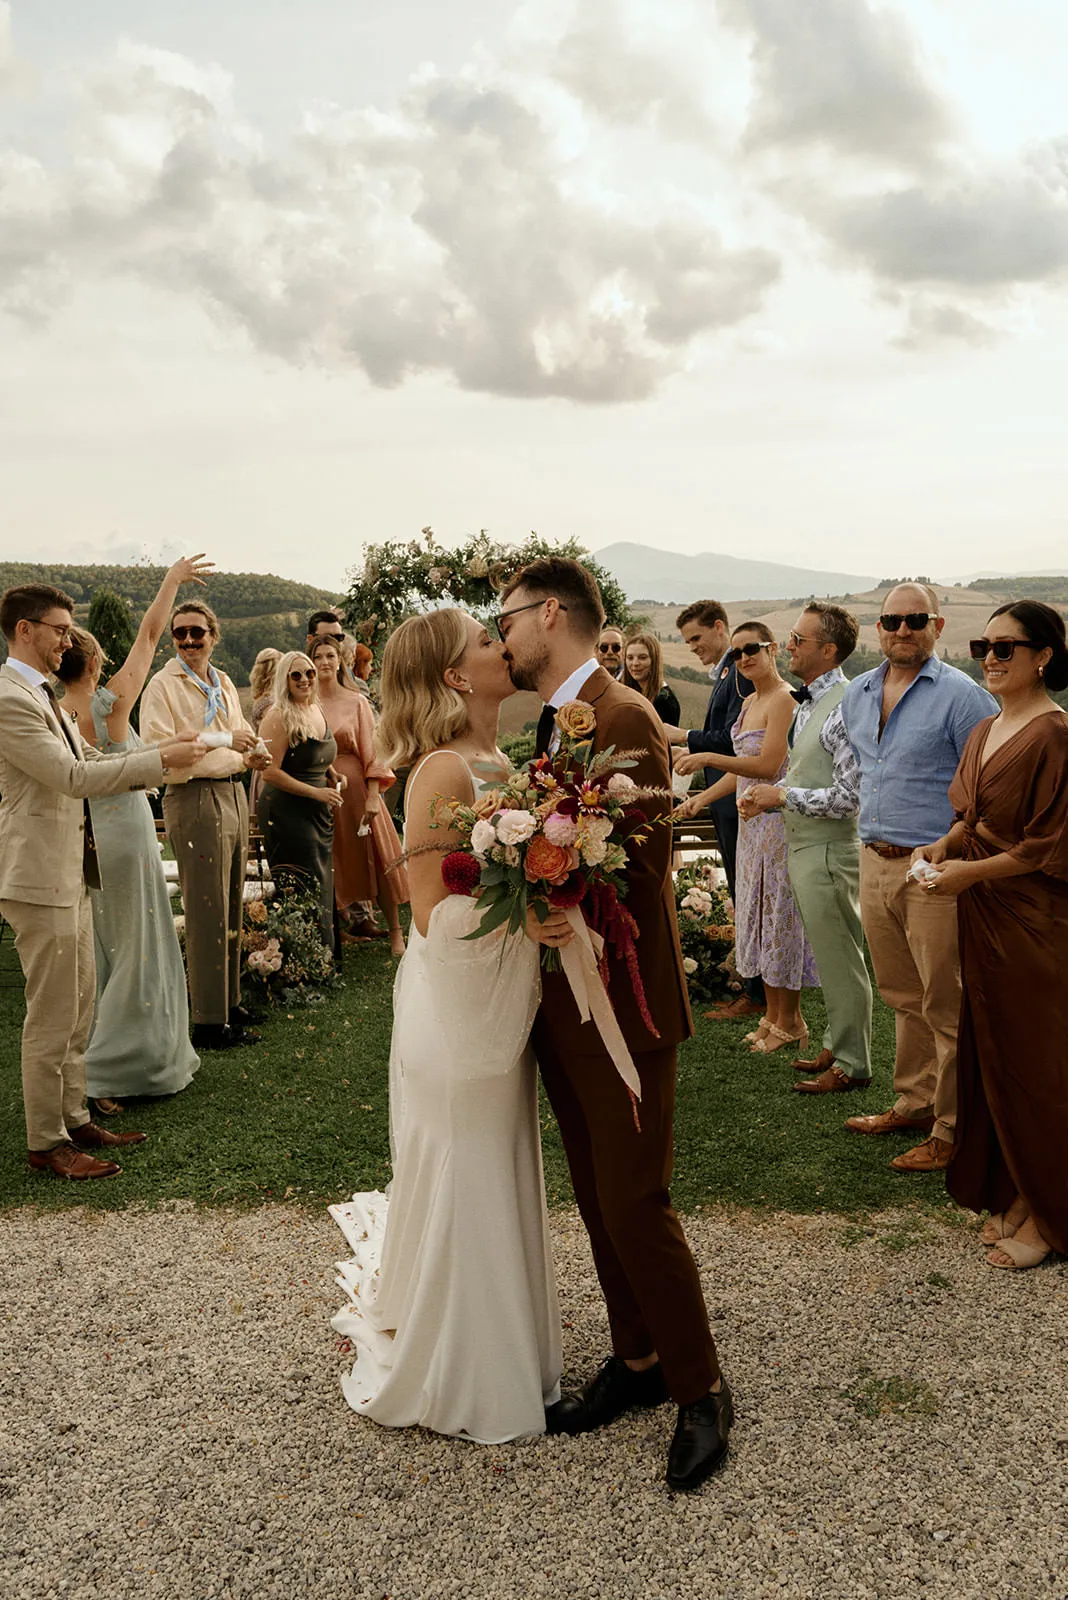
<point>752,649</point>
<point>502,615</point>
<point>193,632</point>
<point>1000,649</point>
<point>915,621</point>
<point>298,676</point>
<point>335,638</point>
<point>610,649</point>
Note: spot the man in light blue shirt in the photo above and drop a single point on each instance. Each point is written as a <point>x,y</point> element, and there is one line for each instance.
<point>908,721</point>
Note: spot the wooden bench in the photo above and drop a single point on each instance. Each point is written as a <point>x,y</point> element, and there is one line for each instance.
<point>695,837</point>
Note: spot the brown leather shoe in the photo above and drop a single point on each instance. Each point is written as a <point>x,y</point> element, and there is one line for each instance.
<point>90,1137</point>
<point>930,1156</point>
<point>824,1060</point>
<point>890,1122</point>
<point>734,1010</point>
<point>833,1081</point>
<point>66,1162</point>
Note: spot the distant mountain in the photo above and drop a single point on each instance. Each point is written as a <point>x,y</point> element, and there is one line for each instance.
<point>667,576</point>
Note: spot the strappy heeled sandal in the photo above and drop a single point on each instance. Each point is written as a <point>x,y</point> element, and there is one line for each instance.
<point>758,1032</point>
<point>1021,1256</point>
<point>998,1229</point>
<point>775,1038</point>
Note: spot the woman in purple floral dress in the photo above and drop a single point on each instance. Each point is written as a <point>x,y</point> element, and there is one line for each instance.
<point>770,938</point>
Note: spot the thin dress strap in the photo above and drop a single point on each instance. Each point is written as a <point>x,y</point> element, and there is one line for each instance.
<point>422,763</point>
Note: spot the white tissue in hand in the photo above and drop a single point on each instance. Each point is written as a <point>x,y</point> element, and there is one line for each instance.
<point>922,872</point>
<point>217,741</point>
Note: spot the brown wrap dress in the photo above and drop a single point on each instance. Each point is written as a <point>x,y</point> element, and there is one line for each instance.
<point>1012,1060</point>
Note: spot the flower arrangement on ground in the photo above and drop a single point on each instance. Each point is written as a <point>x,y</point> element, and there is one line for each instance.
<point>284,954</point>
<point>706,929</point>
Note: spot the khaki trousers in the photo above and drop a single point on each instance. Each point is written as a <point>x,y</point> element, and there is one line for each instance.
<point>207,825</point>
<point>912,937</point>
<point>55,948</point>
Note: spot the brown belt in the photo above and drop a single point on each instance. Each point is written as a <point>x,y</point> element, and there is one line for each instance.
<point>889,852</point>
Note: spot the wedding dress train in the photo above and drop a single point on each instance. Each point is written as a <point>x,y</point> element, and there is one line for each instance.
<point>453,1312</point>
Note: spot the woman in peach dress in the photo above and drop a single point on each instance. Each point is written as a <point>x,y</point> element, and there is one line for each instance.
<point>365,840</point>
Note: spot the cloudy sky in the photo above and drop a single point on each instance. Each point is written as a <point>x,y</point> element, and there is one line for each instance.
<point>781,278</point>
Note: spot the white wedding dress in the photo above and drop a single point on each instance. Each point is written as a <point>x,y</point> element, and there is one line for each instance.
<point>453,1312</point>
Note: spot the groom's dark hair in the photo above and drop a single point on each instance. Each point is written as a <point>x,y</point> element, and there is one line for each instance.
<point>567,581</point>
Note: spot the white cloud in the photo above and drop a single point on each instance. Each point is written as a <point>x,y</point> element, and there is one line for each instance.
<point>453,233</point>
<point>841,74</point>
<point>930,323</point>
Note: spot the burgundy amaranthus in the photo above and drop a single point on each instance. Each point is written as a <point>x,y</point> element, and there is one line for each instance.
<point>607,913</point>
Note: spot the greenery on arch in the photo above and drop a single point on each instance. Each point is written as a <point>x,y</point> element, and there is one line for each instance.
<point>401,578</point>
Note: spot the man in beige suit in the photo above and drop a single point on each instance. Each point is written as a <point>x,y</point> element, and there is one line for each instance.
<point>47,774</point>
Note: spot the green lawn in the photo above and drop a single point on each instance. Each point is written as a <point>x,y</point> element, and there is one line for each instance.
<point>303,1116</point>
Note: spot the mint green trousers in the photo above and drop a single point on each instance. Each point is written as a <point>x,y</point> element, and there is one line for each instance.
<point>825,879</point>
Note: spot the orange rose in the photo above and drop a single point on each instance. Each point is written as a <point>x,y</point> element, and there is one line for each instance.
<point>552,862</point>
<point>576,720</point>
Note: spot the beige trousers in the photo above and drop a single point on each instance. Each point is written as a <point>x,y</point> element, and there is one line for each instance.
<point>207,825</point>
<point>55,947</point>
<point>912,937</point>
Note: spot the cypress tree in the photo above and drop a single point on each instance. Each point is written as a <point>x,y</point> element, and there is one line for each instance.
<point>110,622</point>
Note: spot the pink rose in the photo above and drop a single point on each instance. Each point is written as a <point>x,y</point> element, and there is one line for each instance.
<point>559,829</point>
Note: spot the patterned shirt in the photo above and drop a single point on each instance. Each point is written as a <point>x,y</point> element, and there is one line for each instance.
<point>842,799</point>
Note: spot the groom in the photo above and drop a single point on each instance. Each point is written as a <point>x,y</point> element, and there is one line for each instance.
<point>550,620</point>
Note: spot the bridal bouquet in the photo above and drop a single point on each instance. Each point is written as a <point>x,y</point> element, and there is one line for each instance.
<point>555,835</point>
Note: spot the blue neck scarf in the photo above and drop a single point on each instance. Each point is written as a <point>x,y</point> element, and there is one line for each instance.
<point>212,691</point>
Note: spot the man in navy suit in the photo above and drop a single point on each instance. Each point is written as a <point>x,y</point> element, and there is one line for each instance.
<point>705,628</point>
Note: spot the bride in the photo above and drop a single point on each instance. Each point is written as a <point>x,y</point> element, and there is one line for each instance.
<point>453,1312</point>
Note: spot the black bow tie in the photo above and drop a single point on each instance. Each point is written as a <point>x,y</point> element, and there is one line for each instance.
<point>802,694</point>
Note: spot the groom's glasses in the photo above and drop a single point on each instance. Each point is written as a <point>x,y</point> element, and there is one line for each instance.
<point>193,634</point>
<point>753,649</point>
<point>502,616</point>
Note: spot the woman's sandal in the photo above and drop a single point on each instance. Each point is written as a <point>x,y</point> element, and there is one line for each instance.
<point>758,1032</point>
<point>775,1038</point>
<point>994,1229</point>
<point>1021,1256</point>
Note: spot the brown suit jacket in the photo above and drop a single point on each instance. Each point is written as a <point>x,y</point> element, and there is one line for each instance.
<point>627,720</point>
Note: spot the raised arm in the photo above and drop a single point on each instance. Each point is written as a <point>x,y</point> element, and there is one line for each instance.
<point>126,684</point>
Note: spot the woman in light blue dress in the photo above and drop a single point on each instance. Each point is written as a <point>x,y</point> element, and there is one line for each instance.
<point>140,1039</point>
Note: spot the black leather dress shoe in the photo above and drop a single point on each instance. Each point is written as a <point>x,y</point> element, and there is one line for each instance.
<point>241,1017</point>
<point>700,1442</point>
<point>215,1036</point>
<point>613,1389</point>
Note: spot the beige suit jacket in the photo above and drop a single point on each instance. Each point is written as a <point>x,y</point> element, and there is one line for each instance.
<point>42,786</point>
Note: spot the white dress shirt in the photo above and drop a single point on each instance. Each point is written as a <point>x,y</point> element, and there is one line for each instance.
<point>568,690</point>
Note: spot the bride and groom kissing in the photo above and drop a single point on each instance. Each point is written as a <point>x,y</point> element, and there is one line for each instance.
<point>453,1312</point>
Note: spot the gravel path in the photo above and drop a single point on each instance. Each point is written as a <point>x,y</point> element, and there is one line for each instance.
<point>171,1425</point>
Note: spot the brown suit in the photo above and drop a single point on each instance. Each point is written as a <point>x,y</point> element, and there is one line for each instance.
<point>621,1176</point>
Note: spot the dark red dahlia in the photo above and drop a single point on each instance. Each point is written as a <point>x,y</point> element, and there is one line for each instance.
<point>569,893</point>
<point>460,872</point>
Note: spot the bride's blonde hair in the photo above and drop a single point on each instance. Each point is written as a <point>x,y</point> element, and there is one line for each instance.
<point>419,710</point>
<point>299,722</point>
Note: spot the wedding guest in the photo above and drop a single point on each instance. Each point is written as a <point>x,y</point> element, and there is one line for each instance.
<point>819,798</point>
<point>908,721</point>
<point>358,920</point>
<point>301,788</point>
<point>261,682</point>
<point>643,669</point>
<point>47,861</point>
<point>770,937</point>
<point>705,629</point>
<point>1005,861</point>
<point>324,625</point>
<point>359,664</point>
<point>610,651</point>
<point>140,1039</point>
<point>361,858</point>
<point>206,818</point>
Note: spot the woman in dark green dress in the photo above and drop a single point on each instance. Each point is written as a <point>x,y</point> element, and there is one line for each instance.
<point>301,791</point>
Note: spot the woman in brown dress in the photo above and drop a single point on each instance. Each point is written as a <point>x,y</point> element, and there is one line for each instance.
<point>360,858</point>
<point>1006,857</point>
